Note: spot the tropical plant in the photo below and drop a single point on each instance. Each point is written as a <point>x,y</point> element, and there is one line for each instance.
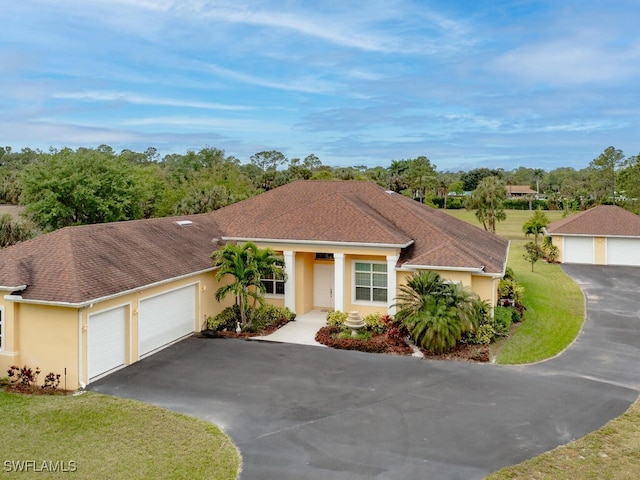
<point>247,265</point>
<point>487,200</point>
<point>535,225</point>
<point>437,313</point>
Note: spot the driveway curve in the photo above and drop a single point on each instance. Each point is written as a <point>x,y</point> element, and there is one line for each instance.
<point>304,412</point>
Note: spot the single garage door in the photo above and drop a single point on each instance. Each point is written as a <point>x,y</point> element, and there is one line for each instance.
<point>623,251</point>
<point>578,250</point>
<point>165,318</point>
<point>106,341</point>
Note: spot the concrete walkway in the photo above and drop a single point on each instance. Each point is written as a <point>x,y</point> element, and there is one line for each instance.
<point>302,331</point>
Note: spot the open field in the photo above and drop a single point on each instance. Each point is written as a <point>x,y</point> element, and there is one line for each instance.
<point>555,304</point>
<point>97,436</point>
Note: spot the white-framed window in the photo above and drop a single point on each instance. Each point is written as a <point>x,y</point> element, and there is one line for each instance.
<point>370,282</point>
<point>272,285</point>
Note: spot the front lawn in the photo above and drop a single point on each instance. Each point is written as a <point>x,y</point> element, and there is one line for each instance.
<point>554,302</point>
<point>611,452</point>
<point>97,436</point>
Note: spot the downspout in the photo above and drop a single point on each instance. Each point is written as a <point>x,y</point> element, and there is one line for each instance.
<point>80,352</point>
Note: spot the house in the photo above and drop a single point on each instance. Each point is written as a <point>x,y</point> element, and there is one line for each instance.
<point>519,191</point>
<point>91,299</point>
<point>603,235</point>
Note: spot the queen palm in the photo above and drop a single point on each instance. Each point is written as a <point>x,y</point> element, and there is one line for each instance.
<point>247,265</point>
<point>437,313</point>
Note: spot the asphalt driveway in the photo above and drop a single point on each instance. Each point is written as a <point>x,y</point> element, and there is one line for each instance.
<point>304,412</point>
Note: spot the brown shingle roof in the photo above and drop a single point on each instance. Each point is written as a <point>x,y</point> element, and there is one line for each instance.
<point>78,264</point>
<point>604,220</point>
<point>81,264</point>
<point>520,189</point>
<point>361,212</point>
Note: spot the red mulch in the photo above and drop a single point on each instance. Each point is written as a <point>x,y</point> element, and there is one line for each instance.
<point>464,353</point>
<point>377,344</point>
<point>34,390</point>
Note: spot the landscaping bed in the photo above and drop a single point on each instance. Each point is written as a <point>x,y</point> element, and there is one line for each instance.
<point>380,343</point>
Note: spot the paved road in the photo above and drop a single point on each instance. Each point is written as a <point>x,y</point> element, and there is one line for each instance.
<point>304,412</point>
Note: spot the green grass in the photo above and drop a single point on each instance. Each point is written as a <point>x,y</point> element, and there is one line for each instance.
<point>554,302</point>
<point>111,438</point>
<point>613,452</point>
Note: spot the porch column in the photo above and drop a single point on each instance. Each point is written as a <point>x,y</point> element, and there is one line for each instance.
<point>290,285</point>
<point>338,289</point>
<point>392,283</point>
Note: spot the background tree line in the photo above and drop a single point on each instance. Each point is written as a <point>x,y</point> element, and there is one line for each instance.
<point>91,185</point>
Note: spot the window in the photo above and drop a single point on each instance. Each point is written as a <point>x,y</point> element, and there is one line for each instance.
<point>370,282</point>
<point>272,285</point>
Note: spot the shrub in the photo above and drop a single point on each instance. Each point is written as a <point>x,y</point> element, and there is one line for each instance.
<point>51,381</point>
<point>483,335</point>
<point>336,318</point>
<point>226,320</point>
<point>395,329</point>
<point>24,376</point>
<point>509,289</point>
<point>330,336</point>
<point>374,323</point>
<point>270,315</point>
<point>502,319</point>
<point>508,274</point>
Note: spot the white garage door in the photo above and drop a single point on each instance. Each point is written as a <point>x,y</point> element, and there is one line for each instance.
<point>164,318</point>
<point>578,250</point>
<point>106,341</point>
<point>623,251</point>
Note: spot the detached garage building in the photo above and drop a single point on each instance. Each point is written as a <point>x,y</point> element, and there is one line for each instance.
<point>603,235</point>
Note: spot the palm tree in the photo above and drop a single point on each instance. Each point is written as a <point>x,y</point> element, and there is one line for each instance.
<point>247,264</point>
<point>437,313</point>
<point>487,200</point>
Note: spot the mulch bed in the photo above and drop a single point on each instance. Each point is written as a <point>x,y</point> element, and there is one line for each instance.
<point>464,353</point>
<point>377,344</point>
<point>34,390</point>
<point>269,329</point>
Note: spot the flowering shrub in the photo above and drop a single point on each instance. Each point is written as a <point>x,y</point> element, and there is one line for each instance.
<point>24,376</point>
<point>25,380</point>
<point>395,329</point>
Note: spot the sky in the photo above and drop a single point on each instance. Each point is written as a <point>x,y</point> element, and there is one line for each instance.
<point>466,83</point>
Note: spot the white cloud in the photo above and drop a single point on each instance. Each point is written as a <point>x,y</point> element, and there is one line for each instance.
<point>104,96</point>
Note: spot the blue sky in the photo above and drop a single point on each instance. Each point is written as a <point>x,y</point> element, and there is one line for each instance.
<point>468,84</point>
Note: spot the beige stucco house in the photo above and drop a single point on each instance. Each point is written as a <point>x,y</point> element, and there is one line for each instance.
<point>603,235</point>
<point>91,299</point>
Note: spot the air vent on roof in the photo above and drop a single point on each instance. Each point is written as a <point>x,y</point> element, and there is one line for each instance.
<point>184,223</point>
<point>390,192</point>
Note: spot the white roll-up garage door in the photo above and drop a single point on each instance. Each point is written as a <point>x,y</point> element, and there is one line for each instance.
<point>623,251</point>
<point>165,318</point>
<point>578,250</point>
<point>106,341</point>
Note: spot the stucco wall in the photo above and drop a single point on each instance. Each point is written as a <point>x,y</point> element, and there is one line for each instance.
<point>48,339</point>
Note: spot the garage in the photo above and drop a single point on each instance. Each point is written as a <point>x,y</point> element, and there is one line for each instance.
<point>623,251</point>
<point>578,249</point>
<point>106,341</point>
<point>165,318</point>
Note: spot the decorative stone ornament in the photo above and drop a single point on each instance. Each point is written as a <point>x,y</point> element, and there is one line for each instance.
<point>354,322</point>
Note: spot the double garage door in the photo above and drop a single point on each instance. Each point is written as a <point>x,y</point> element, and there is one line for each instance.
<point>162,319</point>
<point>619,251</point>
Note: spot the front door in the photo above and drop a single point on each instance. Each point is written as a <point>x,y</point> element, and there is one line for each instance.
<point>323,284</point>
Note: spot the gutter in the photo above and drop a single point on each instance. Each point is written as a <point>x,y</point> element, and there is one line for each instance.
<point>89,303</point>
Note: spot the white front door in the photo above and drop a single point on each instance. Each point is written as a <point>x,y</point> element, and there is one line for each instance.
<point>323,282</point>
